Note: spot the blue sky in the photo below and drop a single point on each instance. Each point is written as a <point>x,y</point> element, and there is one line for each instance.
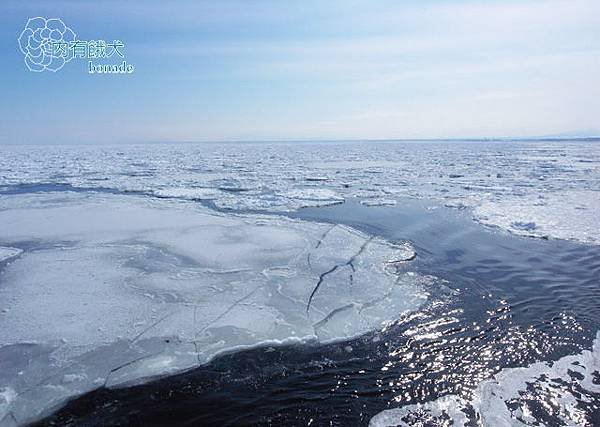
<point>261,70</point>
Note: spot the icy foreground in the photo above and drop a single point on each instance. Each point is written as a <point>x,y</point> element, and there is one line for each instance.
<point>514,397</point>
<point>111,290</point>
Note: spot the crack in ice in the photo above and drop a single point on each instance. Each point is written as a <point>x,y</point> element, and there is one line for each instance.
<point>332,313</point>
<point>138,336</point>
<point>319,244</point>
<point>228,310</point>
<point>322,276</point>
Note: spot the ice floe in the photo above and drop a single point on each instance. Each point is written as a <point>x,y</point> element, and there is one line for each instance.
<point>564,215</point>
<point>190,193</point>
<point>8,253</point>
<point>514,397</point>
<point>112,290</point>
<point>378,202</point>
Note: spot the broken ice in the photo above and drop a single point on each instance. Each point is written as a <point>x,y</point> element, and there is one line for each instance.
<point>514,397</point>
<point>552,185</point>
<point>112,290</point>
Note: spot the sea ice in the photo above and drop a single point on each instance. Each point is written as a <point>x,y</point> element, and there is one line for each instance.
<point>112,290</point>
<point>569,215</point>
<point>378,202</point>
<point>552,185</point>
<point>514,397</point>
<point>8,253</point>
<point>189,193</point>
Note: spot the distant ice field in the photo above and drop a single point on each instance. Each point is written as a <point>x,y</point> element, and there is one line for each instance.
<point>541,189</point>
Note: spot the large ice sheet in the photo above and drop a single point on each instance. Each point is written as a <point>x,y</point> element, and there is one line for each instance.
<point>514,397</point>
<point>111,290</point>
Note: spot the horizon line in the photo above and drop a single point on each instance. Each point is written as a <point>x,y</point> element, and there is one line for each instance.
<point>325,140</point>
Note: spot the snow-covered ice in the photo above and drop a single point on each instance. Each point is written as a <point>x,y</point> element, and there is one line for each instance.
<point>553,185</point>
<point>570,215</point>
<point>514,397</point>
<point>112,290</point>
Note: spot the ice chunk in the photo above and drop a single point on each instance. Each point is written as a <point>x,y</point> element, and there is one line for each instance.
<point>8,253</point>
<point>564,215</point>
<point>310,197</point>
<point>515,396</point>
<point>116,289</point>
<point>378,202</point>
<point>191,193</point>
<point>320,194</point>
<point>445,411</point>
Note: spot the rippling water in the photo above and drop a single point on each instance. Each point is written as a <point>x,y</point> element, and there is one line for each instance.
<point>507,301</point>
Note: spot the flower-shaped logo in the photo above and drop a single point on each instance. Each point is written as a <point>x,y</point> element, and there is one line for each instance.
<point>46,44</point>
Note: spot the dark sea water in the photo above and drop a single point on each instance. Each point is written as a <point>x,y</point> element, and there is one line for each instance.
<point>505,301</point>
